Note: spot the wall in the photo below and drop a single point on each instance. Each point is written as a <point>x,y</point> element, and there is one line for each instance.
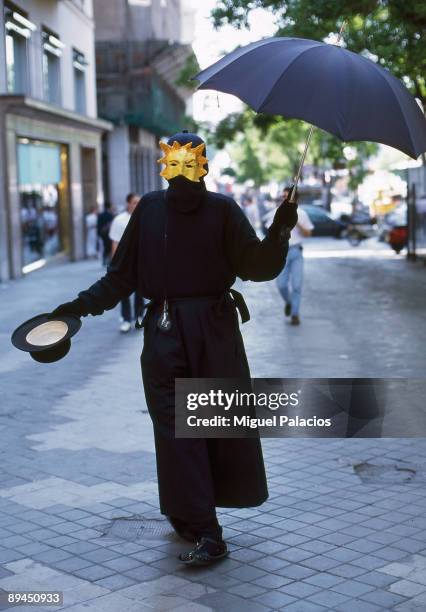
<point>118,20</point>
<point>73,22</point>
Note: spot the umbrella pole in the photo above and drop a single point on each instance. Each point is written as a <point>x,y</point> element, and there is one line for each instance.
<point>292,197</point>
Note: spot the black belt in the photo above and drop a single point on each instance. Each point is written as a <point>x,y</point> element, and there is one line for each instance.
<point>236,297</point>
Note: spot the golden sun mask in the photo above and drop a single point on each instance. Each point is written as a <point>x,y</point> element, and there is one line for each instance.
<point>183,160</point>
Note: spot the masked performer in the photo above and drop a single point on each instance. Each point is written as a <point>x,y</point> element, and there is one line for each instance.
<point>183,249</point>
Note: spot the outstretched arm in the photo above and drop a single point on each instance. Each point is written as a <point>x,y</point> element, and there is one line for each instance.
<point>120,280</point>
<point>255,259</point>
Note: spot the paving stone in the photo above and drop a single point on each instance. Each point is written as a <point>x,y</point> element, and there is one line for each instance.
<point>347,570</point>
<point>246,573</point>
<point>122,564</point>
<point>320,563</point>
<point>248,591</point>
<point>269,564</point>
<point>299,589</point>
<point>383,598</point>
<point>144,572</point>
<point>296,572</point>
<point>10,555</point>
<point>268,547</point>
<point>352,588</point>
<point>407,588</point>
<point>100,555</point>
<point>93,572</point>
<point>304,606</point>
<point>148,556</point>
<point>294,555</point>
<point>60,541</point>
<point>116,582</point>
<point>72,563</point>
<point>327,598</point>
<point>231,603</point>
<point>272,581</point>
<point>246,555</point>
<point>323,580</point>
<point>14,541</point>
<point>356,605</point>
<point>275,599</point>
<point>377,579</point>
<point>81,547</point>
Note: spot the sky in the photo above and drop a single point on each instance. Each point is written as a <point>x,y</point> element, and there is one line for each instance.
<point>210,45</point>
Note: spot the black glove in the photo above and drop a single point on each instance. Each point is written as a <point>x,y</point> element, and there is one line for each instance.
<point>76,308</point>
<point>286,214</point>
<point>285,219</point>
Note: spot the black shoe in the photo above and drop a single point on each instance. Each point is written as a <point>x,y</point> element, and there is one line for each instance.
<point>206,551</point>
<point>182,529</point>
<point>287,309</point>
<point>295,320</point>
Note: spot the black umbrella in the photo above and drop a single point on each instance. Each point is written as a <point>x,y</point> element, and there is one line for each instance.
<point>330,87</point>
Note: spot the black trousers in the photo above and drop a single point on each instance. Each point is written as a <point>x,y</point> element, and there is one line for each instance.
<point>126,309</point>
<point>197,475</point>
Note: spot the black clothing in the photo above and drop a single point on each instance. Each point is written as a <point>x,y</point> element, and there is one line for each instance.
<point>126,308</point>
<point>184,195</point>
<point>206,249</point>
<point>104,223</point>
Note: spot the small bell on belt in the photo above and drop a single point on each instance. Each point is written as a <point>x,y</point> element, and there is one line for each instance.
<point>164,322</point>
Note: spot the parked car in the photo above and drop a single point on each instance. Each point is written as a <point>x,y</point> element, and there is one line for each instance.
<point>323,222</point>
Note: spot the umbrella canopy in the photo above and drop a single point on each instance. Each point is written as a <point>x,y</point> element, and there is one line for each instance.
<point>330,87</point>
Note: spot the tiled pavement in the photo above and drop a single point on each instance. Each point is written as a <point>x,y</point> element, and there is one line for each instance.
<point>77,452</point>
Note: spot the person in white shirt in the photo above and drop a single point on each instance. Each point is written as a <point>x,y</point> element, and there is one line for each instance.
<point>118,225</point>
<point>290,280</point>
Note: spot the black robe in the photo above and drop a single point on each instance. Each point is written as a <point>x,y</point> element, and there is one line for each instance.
<point>206,249</point>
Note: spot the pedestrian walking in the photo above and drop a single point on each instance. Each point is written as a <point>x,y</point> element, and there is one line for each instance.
<point>290,280</point>
<point>118,226</point>
<point>104,224</point>
<point>92,233</point>
<point>183,248</point>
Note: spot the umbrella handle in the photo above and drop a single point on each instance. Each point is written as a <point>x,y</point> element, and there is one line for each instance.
<point>292,197</point>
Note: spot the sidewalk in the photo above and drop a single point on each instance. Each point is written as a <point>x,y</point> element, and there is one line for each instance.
<point>342,530</point>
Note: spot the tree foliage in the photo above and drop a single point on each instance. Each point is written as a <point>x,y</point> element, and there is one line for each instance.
<point>392,32</point>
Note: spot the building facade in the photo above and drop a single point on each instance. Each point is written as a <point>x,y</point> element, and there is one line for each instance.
<point>51,139</point>
<point>141,48</point>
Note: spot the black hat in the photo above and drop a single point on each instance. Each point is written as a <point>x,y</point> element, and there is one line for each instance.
<point>184,137</point>
<point>46,338</point>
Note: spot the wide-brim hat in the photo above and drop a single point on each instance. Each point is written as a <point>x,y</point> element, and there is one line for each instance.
<point>45,337</point>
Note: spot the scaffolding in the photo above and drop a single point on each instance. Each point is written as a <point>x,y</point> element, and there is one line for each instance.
<point>136,82</point>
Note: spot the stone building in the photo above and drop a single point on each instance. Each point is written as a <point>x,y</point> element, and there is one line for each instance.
<point>50,136</point>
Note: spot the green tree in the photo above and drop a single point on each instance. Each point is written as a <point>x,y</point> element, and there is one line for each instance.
<point>393,32</point>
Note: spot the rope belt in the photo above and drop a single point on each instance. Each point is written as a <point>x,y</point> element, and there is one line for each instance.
<point>231,294</point>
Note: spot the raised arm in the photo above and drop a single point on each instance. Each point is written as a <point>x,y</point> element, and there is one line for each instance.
<point>119,281</point>
<point>252,258</point>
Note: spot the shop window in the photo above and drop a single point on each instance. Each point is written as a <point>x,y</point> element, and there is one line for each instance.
<point>79,67</point>
<point>43,188</point>
<point>18,30</point>
<point>52,52</point>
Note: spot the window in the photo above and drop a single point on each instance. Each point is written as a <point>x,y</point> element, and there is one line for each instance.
<point>79,66</point>
<point>52,52</point>
<point>18,30</point>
